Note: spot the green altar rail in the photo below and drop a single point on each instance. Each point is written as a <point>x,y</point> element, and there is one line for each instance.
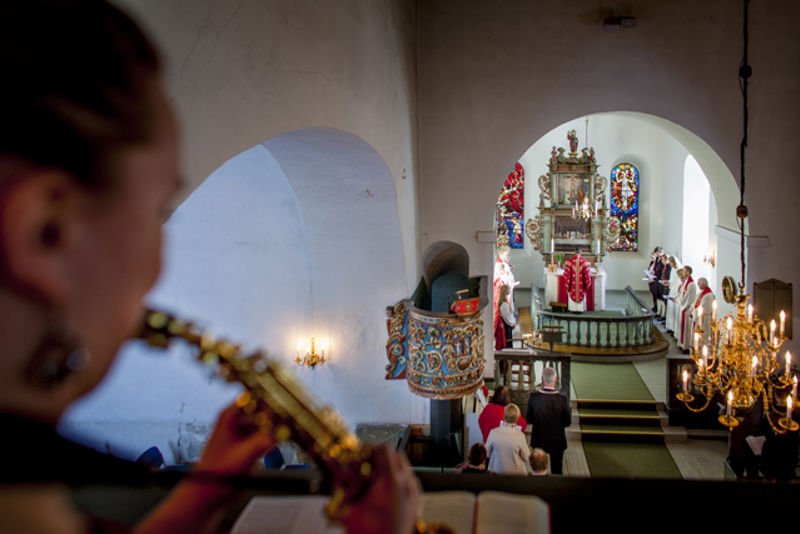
<point>601,330</point>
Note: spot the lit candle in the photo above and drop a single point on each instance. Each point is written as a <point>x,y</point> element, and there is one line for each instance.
<point>794,387</point>
<point>772,332</point>
<point>729,326</point>
<point>685,381</point>
<point>705,355</point>
<point>714,311</point>
<point>729,404</point>
<point>700,315</point>
<point>749,313</point>
<point>696,342</point>
<point>783,321</point>
<point>788,362</point>
<point>788,407</point>
<point>755,365</point>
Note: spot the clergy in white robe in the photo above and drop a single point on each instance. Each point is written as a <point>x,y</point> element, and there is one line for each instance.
<point>705,298</point>
<point>677,280</point>
<point>688,296</point>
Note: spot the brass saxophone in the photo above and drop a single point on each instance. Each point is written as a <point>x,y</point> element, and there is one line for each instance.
<point>278,403</point>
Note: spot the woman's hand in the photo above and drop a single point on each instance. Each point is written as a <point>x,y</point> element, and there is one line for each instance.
<point>195,505</point>
<point>392,502</point>
<point>234,445</point>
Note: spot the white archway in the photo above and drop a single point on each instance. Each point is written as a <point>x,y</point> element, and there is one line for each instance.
<point>659,148</point>
<point>296,237</point>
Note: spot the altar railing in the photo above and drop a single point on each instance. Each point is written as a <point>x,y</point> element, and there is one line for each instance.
<point>523,372</point>
<point>634,329</point>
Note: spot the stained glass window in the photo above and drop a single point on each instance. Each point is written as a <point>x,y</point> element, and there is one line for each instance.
<point>510,209</point>
<point>625,206</point>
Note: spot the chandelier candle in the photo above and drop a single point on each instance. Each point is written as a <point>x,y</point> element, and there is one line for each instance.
<point>783,321</point>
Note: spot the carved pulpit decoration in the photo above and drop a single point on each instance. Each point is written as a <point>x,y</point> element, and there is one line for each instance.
<point>435,344</point>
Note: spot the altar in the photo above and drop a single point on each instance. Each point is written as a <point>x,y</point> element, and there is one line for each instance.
<point>551,286</point>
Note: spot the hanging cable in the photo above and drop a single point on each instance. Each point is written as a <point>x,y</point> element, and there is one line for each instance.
<point>745,71</point>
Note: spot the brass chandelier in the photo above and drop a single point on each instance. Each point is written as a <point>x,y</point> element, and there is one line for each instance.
<point>737,355</point>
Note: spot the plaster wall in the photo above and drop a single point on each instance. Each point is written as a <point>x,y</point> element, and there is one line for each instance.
<point>496,76</point>
<point>246,71</point>
<point>264,255</point>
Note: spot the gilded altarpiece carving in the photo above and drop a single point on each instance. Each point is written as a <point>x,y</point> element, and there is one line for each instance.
<point>572,206</point>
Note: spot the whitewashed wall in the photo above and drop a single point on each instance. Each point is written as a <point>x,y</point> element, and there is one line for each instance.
<point>292,238</point>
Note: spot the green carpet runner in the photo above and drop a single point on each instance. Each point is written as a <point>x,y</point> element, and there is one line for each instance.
<point>620,425</point>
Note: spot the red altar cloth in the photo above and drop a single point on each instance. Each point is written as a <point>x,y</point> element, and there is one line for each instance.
<point>577,282</point>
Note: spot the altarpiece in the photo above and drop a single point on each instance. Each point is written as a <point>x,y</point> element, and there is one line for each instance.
<point>572,229</point>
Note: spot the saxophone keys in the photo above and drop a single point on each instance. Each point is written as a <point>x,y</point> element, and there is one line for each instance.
<point>157,320</point>
<point>243,399</point>
<point>282,433</point>
<point>176,327</point>
<point>210,357</point>
<point>207,341</point>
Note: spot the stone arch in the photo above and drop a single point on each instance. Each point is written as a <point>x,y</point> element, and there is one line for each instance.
<point>295,237</point>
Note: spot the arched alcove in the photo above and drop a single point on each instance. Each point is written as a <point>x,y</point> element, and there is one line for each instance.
<point>659,149</point>
<point>296,237</point>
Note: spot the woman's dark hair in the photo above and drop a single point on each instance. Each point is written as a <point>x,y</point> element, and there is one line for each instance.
<point>78,78</point>
<point>501,396</point>
<point>477,454</point>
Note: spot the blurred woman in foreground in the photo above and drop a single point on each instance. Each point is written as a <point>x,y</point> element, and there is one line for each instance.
<point>89,162</point>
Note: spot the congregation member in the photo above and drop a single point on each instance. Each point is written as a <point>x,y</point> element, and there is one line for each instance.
<point>673,305</point>
<point>476,460</point>
<point>705,298</point>
<point>549,414</point>
<point>655,271</point>
<point>687,298</point>
<point>508,452</point>
<point>669,277</point>
<point>492,414</point>
<point>663,289</point>
<point>540,463</point>
<point>89,165</point>
<point>504,320</point>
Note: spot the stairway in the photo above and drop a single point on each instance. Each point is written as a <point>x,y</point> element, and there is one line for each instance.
<point>621,421</point>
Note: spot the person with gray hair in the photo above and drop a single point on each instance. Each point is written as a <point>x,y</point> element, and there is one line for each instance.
<point>549,414</point>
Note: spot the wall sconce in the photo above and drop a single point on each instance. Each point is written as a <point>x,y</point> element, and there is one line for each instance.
<point>711,258</point>
<point>310,357</point>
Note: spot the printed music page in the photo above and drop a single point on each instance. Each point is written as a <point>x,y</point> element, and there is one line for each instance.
<point>456,509</point>
<point>298,514</point>
<point>492,512</point>
<point>507,513</point>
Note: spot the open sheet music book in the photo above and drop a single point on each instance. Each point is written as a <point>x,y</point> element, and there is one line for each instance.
<point>489,512</point>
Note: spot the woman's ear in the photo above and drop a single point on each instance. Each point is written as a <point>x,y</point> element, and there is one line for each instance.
<point>38,214</point>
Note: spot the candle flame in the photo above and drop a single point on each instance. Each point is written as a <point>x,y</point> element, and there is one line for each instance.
<point>730,396</point>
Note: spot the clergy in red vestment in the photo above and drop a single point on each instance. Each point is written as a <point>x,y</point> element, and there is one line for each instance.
<point>577,284</point>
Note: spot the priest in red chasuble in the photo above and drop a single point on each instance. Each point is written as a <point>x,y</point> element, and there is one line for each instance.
<point>577,284</point>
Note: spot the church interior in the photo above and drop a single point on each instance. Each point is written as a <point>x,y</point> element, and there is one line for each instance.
<point>329,146</point>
